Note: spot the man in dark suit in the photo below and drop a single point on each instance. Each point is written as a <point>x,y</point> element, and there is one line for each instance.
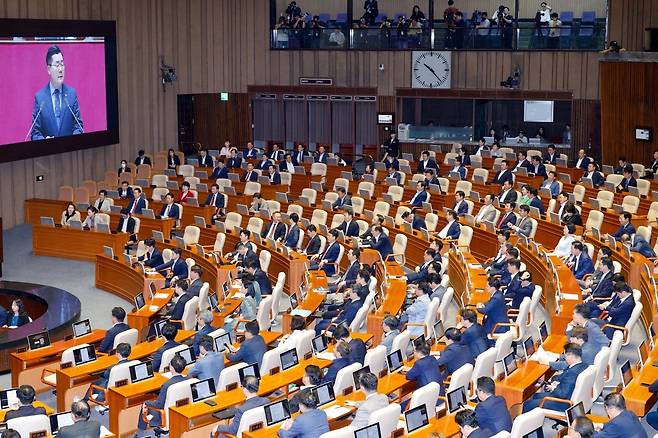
<point>276,229</point>
<point>341,352</point>
<point>264,163</point>
<point>451,230</point>
<point>118,326</point>
<point>623,423</point>
<point>177,365</point>
<point>234,162</point>
<point>253,267</point>
<point>583,160</point>
<point>298,157</point>
<point>169,333</point>
<point>392,146</point>
<point>343,199</point>
<point>276,154</point>
<point>138,203</point>
<point>215,199</point>
<point>421,271</point>
<point>507,218</point>
<point>326,260</point>
<point>182,297</point>
<point>349,277</point>
<point>250,175</point>
<point>393,173</point>
<point>26,395</point>
<point>425,368</point>
<point>250,387</point>
<point>380,242</point>
<point>562,385</point>
<point>414,219</point>
<point>311,422</point>
<point>251,152</point>
<point>274,175</point>
<point>491,412</point>
<point>469,426</point>
<point>522,161</point>
<point>426,163</point>
<point>142,158</point>
<point>420,196</point>
<point>82,426</point>
<point>127,224</point>
<point>357,346</point>
<point>619,308</point>
<point>321,156</point>
<point>460,207</point>
<point>205,327</point>
<point>169,209</point>
<point>221,171</point>
<point>628,181</point>
<point>152,257</point>
<point>507,193</point>
<point>125,191</point>
<point>504,174</point>
<point>474,336</point>
<point>580,262</point>
<point>251,349</point>
<point>287,164</point>
<point>456,354</point>
<point>625,226</point>
<point>525,290</point>
<point>495,309</point>
<point>313,245</point>
<point>602,289</point>
<point>430,177</point>
<point>176,266</point>
<point>594,175</point>
<point>550,157</point>
<point>204,159</point>
<point>123,351</point>
<point>56,110</point>
<point>292,238</point>
<point>637,243</point>
<point>349,227</point>
<point>346,313</point>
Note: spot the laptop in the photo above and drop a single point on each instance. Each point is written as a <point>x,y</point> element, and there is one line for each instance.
<point>372,431</point>
<point>203,389</point>
<point>9,397</point>
<point>60,420</point>
<point>643,353</point>
<point>222,341</point>
<point>47,221</point>
<point>288,359</point>
<point>188,355</point>
<point>543,331</point>
<point>324,393</point>
<point>439,330</point>
<point>276,412</point>
<point>574,412</point>
<point>180,242</point>
<point>81,328</point>
<point>456,399</point>
<point>139,301</point>
<point>416,418</point>
<point>319,344</point>
<point>148,213</point>
<point>626,373</point>
<point>528,347</point>
<point>565,178</point>
<point>249,370</point>
<point>75,225</point>
<point>108,251</point>
<point>594,204</point>
<point>394,361</point>
<point>116,209</point>
<point>509,364</point>
<point>214,302</point>
<point>537,433</point>
<point>357,374</point>
<point>158,236</point>
<point>38,340</point>
<point>84,355</point>
<point>141,371</point>
<point>158,326</point>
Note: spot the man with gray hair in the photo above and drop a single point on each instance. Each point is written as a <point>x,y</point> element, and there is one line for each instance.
<point>391,326</point>
<point>205,328</point>
<point>209,363</point>
<point>373,401</point>
<point>82,426</point>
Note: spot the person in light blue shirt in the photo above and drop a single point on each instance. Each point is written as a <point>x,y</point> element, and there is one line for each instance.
<point>209,364</point>
<point>417,311</point>
<point>310,424</point>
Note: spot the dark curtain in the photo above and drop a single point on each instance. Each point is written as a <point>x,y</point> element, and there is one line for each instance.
<point>268,120</point>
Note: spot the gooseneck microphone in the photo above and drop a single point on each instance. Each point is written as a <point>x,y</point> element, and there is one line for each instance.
<point>66,101</point>
<point>34,122</point>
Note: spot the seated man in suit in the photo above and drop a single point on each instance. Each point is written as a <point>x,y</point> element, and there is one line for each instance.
<point>250,175</point>
<point>170,208</point>
<point>373,401</point>
<point>414,315</point>
<point>430,177</point>
<point>276,154</point>
<point>625,226</point>
<point>118,326</point>
<point>312,377</point>
<point>580,262</point>
<point>196,283</point>
<point>181,298</point>
<point>491,411</point>
<point>504,174</point>
<point>348,310</point>
<point>204,159</point>
<point>550,157</point>
<point>437,290</point>
<point>177,365</point>
<point>578,336</point>
<point>292,238</point>
<point>313,245</point>
<point>495,309</point>
<point>264,163</point>
<point>219,172</point>
<point>474,336</point>
<point>204,323</point>
<point>251,152</point>
<point>414,220</point>
<point>538,168</point>
<point>252,266</point>
<point>275,230</point>
<point>637,243</point>
<point>321,156</point>
<point>216,200</point>
<point>169,333</point>
<point>600,286</point>
<point>623,423</point>
<point>103,203</point>
<point>426,163</point>
<point>125,191</point>
<point>581,318</point>
<point>298,156</point>
<point>357,346</point>
<point>82,426</point>
<point>234,161</point>
<point>123,351</point>
<point>459,169</point>
<point>349,227</point>
<point>523,224</point>
<point>461,207</point>
<point>311,423</point>
<point>551,184</point>
<point>469,426</point>
<point>380,242</point>
<point>176,266</point>
<point>535,201</point>
<point>327,259</point>
<point>250,386</point>
<point>209,363</point>
<point>342,353</point>
<point>26,396</point>
<point>420,196</point>
<point>251,349</point>
<point>152,257</point>
<point>513,278</point>
<point>507,218</point>
<point>421,272</point>
<point>452,230</point>
<point>142,158</point>
<point>127,225</point>
<point>526,289</point>
<point>351,273</point>
<point>138,203</point>
<point>343,199</point>
<point>619,308</point>
<point>583,160</point>
<point>274,175</point>
<point>628,181</point>
<point>456,354</point>
<point>425,368</point>
<point>391,328</point>
<point>507,193</point>
<point>562,385</point>
<point>594,175</point>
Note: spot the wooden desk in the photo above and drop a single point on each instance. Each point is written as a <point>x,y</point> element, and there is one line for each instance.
<point>26,367</point>
<point>74,381</point>
<point>74,244</point>
<point>396,293</point>
<point>520,385</point>
<point>122,280</point>
<point>142,318</point>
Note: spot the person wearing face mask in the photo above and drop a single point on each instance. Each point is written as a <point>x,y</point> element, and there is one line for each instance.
<point>123,168</point>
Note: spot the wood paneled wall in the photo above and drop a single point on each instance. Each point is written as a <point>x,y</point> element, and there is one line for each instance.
<point>216,120</point>
<point>224,46</point>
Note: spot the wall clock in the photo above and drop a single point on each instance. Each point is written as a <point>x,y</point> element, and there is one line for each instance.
<point>431,69</point>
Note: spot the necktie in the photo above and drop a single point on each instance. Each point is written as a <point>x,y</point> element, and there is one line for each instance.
<point>249,176</point>
<point>214,199</point>
<point>300,157</point>
<point>166,212</point>
<point>134,205</point>
<point>270,234</point>
<point>148,255</point>
<point>58,108</point>
<point>502,219</point>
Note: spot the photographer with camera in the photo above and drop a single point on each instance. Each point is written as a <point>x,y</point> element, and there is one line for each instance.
<point>371,11</point>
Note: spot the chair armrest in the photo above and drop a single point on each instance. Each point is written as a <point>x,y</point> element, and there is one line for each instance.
<point>502,324</point>
<point>617,327</point>
<point>151,408</point>
<point>91,390</point>
<point>554,399</point>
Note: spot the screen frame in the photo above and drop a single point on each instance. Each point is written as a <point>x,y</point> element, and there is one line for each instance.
<point>292,351</point>
<point>451,407</point>
<point>148,368</point>
<point>211,383</point>
<point>268,407</point>
<point>30,341</point>
<point>422,408</point>
<point>75,324</point>
<point>644,128</point>
<point>19,27</point>
<point>380,114</point>
<point>330,388</point>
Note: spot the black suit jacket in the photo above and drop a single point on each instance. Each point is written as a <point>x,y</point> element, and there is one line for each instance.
<point>279,233</point>
<point>24,411</point>
<point>313,246</point>
<point>147,160</point>
<point>179,307</point>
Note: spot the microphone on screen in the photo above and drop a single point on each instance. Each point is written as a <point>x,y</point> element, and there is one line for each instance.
<point>66,101</point>
<point>34,122</point>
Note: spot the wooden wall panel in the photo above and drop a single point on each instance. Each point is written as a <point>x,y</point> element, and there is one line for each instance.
<point>224,46</point>
<point>216,121</point>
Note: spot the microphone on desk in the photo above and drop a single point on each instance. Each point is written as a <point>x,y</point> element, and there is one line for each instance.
<point>66,101</point>
<point>34,121</point>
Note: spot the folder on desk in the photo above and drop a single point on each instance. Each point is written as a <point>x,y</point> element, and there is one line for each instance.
<point>281,197</point>
<point>346,175</point>
<point>242,209</point>
<point>300,170</point>
<point>594,204</point>
<point>180,243</point>
<point>160,296</point>
<point>475,196</point>
<point>301,312</point>
<point>470,219</point>
<point>336,411</point>
<point>479,179</point>
<point>326,205</point>
<point>369,178</point>
<point>170,172</point>
<point>112,194</point>
<point>201,174</point>
<point>317,186</point>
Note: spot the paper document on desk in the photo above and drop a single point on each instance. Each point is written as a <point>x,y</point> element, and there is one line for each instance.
<point>105,432</point>
<point>238,295</point>
<point>325,355</point>
<point>154,308</point>
<point>336,411</point>
<point>160,296</point>
<point>474,265</point>
<point>569,296</point>
<point>301,312</point>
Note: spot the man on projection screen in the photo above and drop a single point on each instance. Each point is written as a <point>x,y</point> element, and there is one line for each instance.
<point>56,111</point>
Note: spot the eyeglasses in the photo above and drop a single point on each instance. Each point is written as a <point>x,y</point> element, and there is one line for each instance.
<point>57,64</point>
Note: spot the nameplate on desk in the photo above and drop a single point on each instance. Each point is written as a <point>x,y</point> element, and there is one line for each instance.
<point>232,386</point>
<point>39,434</point>
<point>398,433</point>
<point>120,383</point>
<point>274,371</point>
<point>182,402</point>
<point>66,365</point>
<point>256,426</point>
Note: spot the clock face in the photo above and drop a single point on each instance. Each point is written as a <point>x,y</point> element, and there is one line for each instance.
<point>431,70</point>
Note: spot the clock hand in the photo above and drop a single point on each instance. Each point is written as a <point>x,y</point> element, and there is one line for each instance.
<point>433,72</point>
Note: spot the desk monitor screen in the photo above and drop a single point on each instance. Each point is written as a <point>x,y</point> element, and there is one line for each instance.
<point>221,341</point>
<point>84,355</point>
<point>643,352</point>
<point>277,412</point>
<point>8,398</point>
<point>509,363</point>
<point>188,355</point>
<point>356,374</point>
<point>537,433</point>
<point>249,370</point>
<point>213,301</point>
<point>203,389</point>
<point>319,343</point>
<point>158,327</point>
<point>225,287</point>
<point>416,418</point>
<point>543,331</point>
<point>38,340</point>
<point>108,251</point>
<point>139,301</point>
<point>371,431</point>
<point>419,340</point>
<point>324,393</point>
<point>626,373</point>
<point>81,328</point>
<point>57,421</point>
<point>394,361</point>
<point>529,347</point>
<point>439,331</point>
<point>456,399</point>
<point>289,359</point>
<point>574,412</point>
<point>141,371</point>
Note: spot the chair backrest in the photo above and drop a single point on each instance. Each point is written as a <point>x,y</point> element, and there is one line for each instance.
<point>167,254</point>
<point>81,195</point>
<point>605,198</point>
<point>396,193</point>
<point>643,187</point>
<point>186,170</point>
<point>484,366</point>
<point>67,355</point>
<point>630,203</point>
<point>263,313</point>
<point>461,377</point>
<point>344,432</point>
<point>427,395</point>
<point>366,187</point>
<point>382,207</point>
<point>527,422</point>
<point>387,418</point>
<point>27,425</point>
<point>358,324</point>
<point>102,218</point>
<point>376,359</point>
<point>484,173</point>
<point>65,193</point>
<point>465,236</point>
<point>251,417</point>
<point>601,364</point>
<point>614,179</point>
<point>579,192</point>
<point>294,208</point>
<point>193,180</point>
<point>445,303</point>
<point>502,434</point>
<point>318,169</point>
<point>503,348</point>
<point>120,372</point>
<point>251,187</point>
<point>341,182</point>
<point>229,375</point>
<point>345,378</point>
<point>168,355</point>
<point>203,296</point>
<point>319,217</point>
<point>160,181</point>
<point>191,235</point>
<point>232,220</point>
<point>464,186</point>
<point>358,204</point>
<point>129,337</point>
<point>189,314</point>
<point>271,360</point>
<point>635,316</point>
<point>220,239</point>
<point>431,221</point>
<point>583,390</point>
<point>304,342</point>
<point>331,197</point>
<point>338,219</point>
<point>400,245</point>
<point>177,391</point>
<point>594,220</point>
<point>255,225</point>
<point>644,231</point>
<point>401,342</point>
<point>310,194</point>
<point>159,193</point>
<point>398,214</point>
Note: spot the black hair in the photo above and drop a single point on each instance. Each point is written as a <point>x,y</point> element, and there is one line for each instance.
<point>454,334</point>
<point>466,417</point>
<point>124,349</point>
<point>297,322</point>
<point>252,327</point>
<point>25,394</point>
<point>314,374</point>
<point>177,363</point>
<point>119,313</point>
<point>615,400</point>
<point>573,349</point>
<point>52,51</point>
<point>169,331</point>
<point>486,384</point>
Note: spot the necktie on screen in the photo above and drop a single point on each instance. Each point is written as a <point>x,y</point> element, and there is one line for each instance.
<point>58,108</point>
